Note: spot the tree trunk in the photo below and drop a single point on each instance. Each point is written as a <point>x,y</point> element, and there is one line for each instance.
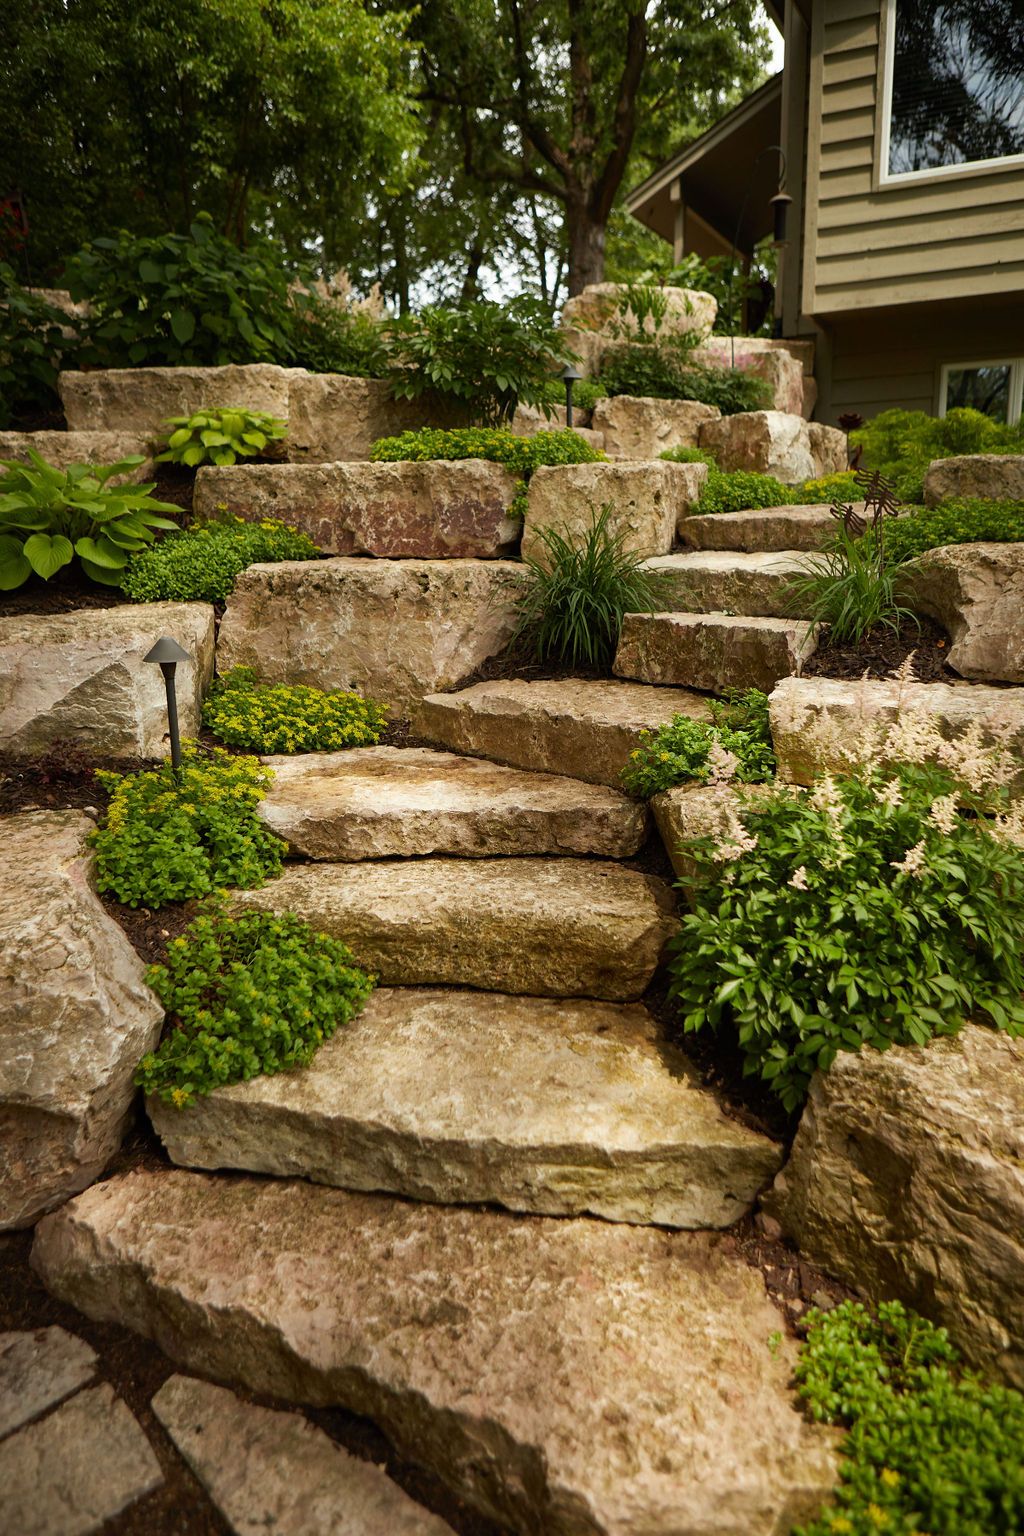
<point>586,246</point>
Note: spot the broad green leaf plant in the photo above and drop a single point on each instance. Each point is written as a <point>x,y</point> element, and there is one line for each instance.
<point>48,516</point>
<point>220,436</point>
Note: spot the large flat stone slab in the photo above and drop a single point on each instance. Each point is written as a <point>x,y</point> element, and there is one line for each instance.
<point>769,530</point>
<point>646,501</point>
<point>392,802</point>
<point>81,677</point>
<point>779,443</point>
<point>976,592</point>
<point>62,449</point>
<point>457,1097</point>
<point>822,724</point>
<point>548,927</point>
<point>575,1378</point>
<point>430,511</point>
<point>636,427</point>
<point>268,1471</point>
<point>711,651</point>
<point>721,581</point>
<point>39,1369</point>
<point>988,476</point>
<point>76,1017</point>
<point>139,400</point>
<point>334,417</point>
<point>907,1179</point>
<point>72,1472</point>
<point>391,630</point>
<point>574,726</point>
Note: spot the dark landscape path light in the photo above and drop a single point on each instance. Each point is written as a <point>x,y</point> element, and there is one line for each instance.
<point>167,653</point>
<point>569,378</point>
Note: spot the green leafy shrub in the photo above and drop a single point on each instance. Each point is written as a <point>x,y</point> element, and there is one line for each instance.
<point>678,753</point>
<point>665,370</point>
<point>33,350</point>
<point>485,358</point>
<point>328,338</point>
<point>829,489</point>
<point>955,522</point>
<point>585,393</point>
<point>163,840</point>
<point>739,490</point>
<point>202,563</point>
<point>681,455</point>
<point>246,995</point>
<point>903,443</point>
<point>578,592</point>
<point>220,436</point>
<point>521,455</point>
<point>868,911</point>
<point>175,300</point>
<point>852,587</point>
<point>929,1448</point>
<point>49,515</point>
<point>278,718</point>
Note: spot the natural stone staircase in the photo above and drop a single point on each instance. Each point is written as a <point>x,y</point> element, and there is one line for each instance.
<point>724,581</point>
<point>771,530</point>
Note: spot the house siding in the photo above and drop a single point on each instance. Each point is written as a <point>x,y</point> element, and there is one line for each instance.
<point>870,244</point>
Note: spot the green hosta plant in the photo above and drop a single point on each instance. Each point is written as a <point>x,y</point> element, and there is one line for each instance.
<point>49,516</point>
<point>245,995</point>
<point>220,436</point>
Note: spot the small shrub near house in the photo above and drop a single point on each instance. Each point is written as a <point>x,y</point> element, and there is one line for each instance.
<point>929,1446</point>
<point>902,444</point>
<point>277,718</point>
<point>220,436</point>
<point>202,563</point>
<point>167,840</point>
<point>247,995</point>
<point>666,370</point>
<point>955,522</point>
<point>684,750</point>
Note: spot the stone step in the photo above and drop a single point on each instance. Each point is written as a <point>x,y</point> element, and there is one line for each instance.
<point>393,802</point>
<point>711,651</point>
<point>723,581</point>
<point>63,449</point>
<point>563,1377</point>
<point>461,1097</point>
<point>574,726</point>
<point>543,927</point>
<point>768,531</point>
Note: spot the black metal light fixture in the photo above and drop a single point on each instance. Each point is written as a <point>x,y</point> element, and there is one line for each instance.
<point>166,653</point>
<point>569,377</point>
<point>779,204</point>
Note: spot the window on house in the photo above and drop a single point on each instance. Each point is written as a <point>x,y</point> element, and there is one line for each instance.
<point>994,388</point>
<point>955,83</point>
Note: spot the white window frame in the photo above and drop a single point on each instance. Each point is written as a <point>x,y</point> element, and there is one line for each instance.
<point>887,178</point>
<point>1015,397</point>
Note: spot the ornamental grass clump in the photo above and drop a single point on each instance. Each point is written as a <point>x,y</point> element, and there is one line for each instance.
<point>247,995</point>
<point>882,907</point>
<point>201,564</point>
<point>168,839</point>
<point>686,750</point>
<point>278,718</point>
<point>930,1448</point>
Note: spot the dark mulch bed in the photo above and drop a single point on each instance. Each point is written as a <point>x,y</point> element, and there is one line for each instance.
<point>67,592</point>
<point>883,651</point>
<point>52,420</point>
<point>176,484</point>
<point>521,661</point>
<point>64,778</point>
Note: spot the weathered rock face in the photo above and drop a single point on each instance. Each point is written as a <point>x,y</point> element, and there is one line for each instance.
<point>719,349</point>
<point>38,1370</point>
<point>81,677</point>
<point>663,1408</point>
<point>990,476</point>
<point>906,1178</point>
<point>721,582</point>
<point>976,592</point>
<point>581,728</point>
<point>393,631</point>
<point>62,449</point>
<point>819,724</point>
<point>713,652</point>
<point>691,811</point>
<point>332,417</point>
<point>598,308</point>
<point>276,1472</point>
<point>634,427</point>
<point>542,927</point>
<point>430,511</point>
<point>647,500</point>
<point>539,1105</point>
<point>75,1018</point>
<point>774,529</point>
<point>138,400</point>
<point>781,371</point>
<point>775,443</point>
<point>392,802</point>
<point>588,346</point>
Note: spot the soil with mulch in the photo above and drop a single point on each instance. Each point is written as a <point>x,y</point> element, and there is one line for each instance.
<point>883,651</point>
<point>67,592</point>
<point>175,484</point>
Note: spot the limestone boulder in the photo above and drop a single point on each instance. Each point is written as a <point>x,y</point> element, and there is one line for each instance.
<point>332,417</point>
<point>405,802</point>
<point>690,811</point>
<point>599,307</point>
<point>38,1370</point>
<point>775,364</point>
<point>530,419</point>
<point>588,348</point>
<point>711,651</point>
<point>829,449</point>
<point>907,1179</point>
<point>392,630</point>
<point>430,511</point>
<point>773,529</point>
<point>76,1017</point>
<point>775,443</point>
<point>80,677</point>
<point>554,1107</point>
<point>635,427</point>
<point>138,400</point>
<point>988,476</point>
<point>976,592</point>
<point>62,449</point>
<point>666,1401</point>
<point>724,582</point>
<point>646,500</point>
<point>574,726</point>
